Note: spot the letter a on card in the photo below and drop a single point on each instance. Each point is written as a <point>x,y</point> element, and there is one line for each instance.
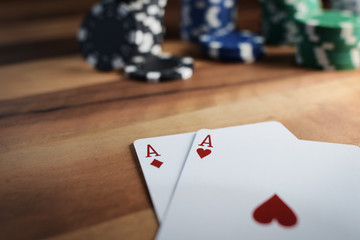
<point>150,151</point>
<point>205,143</point>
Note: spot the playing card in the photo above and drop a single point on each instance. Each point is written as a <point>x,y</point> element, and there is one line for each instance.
<point>162,159</point>
<point>264,187</point>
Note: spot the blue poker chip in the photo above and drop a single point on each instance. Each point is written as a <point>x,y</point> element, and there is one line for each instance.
<point>242,46</point>
<point>203,16</point>
<point>231,40</point>
<point>247,55</point>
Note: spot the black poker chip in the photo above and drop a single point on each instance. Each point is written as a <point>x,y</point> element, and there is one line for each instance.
<point>150,15</point>
<point>154,68</point>
<point>109,36</point>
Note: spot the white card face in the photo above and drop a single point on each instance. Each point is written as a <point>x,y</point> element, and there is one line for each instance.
<point>162,159</point>
<point>265,188</point>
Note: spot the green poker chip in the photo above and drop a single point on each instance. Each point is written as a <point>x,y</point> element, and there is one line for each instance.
<point>338,27</point>
<point>328,40</point>
<point>301,6</point>
<point>330,20</point>
<point>337,45</point>
<point>327,56</point>
<point>278,23</point>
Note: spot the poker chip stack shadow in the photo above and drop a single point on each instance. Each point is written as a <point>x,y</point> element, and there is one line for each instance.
<point>212,24</point>
<point>348,5</point>
<point>128,34</point>
<point>329,40</point>
<point>278,24</point>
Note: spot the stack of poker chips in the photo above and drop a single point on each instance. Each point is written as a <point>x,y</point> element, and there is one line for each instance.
<point>128,34</point>
<point>329,40</point>
<point>206,16</point>
<point>278,25</point>
<point>348,5</point>
<point>211,23</point>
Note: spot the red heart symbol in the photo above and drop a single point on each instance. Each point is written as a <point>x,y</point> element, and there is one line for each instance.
<point>203,153</point>
<point>275,208</point>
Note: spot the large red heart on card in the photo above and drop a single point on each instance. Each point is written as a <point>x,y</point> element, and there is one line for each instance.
<point>275,209</point>
<point>202,152</point>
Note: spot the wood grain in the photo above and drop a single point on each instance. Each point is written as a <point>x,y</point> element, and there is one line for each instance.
<point>121,228</point>
<point>67,166</point>
<point>66,158</point>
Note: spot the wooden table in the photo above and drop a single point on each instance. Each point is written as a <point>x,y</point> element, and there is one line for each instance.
<point>68,169</point>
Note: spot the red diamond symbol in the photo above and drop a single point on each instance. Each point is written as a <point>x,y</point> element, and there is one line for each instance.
<point>156,163</point>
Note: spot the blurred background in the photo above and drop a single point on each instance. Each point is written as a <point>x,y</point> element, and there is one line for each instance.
<point>38,29</point>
